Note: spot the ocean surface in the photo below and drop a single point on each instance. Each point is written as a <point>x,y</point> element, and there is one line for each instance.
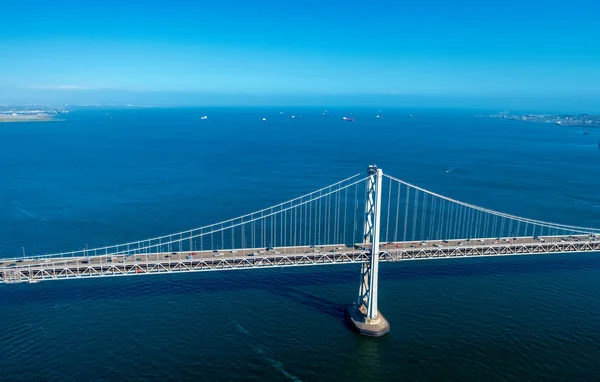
<point>104,176</point>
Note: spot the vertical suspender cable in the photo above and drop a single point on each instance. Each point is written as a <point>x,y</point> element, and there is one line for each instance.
<point>309,226</point>
<point>345,241</point>
<point>355,210</point>
<point>387,224</point>
<point>415,213</point>
<point>397,213</point>
<point>423,218</point>
<point>406,211</point>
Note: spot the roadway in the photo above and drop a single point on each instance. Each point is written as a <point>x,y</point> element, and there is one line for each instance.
<point>45,268</point>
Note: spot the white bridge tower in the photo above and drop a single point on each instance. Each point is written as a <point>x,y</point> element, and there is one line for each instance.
<point>364,314</point>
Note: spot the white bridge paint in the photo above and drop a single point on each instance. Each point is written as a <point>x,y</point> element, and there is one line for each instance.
<point>151,257</point>
<point>156,263</point>
<point>369,273</point>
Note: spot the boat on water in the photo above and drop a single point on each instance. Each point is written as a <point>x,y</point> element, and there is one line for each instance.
<point>203,118</point>
<point>348,119</point>
<point>264,120</point>
<point>378,117</point>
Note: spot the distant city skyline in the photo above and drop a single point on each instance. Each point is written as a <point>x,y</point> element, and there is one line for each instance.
<point>462,52</point>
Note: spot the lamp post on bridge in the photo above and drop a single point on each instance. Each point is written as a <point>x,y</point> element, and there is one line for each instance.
<point>364,314</point>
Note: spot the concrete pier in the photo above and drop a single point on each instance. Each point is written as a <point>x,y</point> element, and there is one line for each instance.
<point>357,318</point>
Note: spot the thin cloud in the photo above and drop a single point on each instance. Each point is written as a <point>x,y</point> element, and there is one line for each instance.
<point>61,87</point>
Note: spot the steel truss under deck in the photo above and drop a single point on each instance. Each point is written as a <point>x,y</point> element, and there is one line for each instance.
<point>63,269</point>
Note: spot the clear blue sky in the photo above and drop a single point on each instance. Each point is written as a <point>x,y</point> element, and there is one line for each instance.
<point>524,48</point>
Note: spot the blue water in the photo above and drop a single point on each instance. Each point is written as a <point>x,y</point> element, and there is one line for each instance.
<point>98,179</point>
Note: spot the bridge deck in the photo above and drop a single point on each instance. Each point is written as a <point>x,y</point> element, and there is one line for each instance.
<point>37,269</point>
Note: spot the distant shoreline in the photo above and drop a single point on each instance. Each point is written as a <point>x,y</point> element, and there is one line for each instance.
<point>27,118</point>
<point>577,120</point>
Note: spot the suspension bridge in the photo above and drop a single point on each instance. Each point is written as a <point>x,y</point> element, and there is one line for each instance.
<point>363,219</point>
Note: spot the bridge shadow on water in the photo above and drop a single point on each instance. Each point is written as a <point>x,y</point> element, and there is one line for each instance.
<point>311,300</point>
<point>289,283</point>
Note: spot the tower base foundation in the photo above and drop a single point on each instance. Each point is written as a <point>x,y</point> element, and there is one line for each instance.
<point>357,318</point>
